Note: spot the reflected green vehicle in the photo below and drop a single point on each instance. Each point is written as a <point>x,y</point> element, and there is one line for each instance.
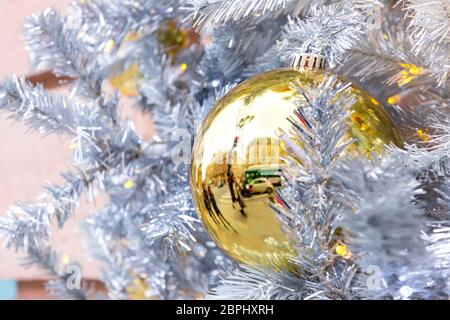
<point>271,173</point>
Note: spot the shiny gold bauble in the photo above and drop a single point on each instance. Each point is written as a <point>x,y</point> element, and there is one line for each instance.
<point>138,289</point>
<point>174,38</point>
<point>236,161</point>
<point>126,81</point>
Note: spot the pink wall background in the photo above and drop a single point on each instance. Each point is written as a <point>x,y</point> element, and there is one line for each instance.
<point>27,160</point>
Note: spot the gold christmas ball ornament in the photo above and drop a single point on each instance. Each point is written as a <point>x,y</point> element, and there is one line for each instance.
<point>237,161</point>
<point>138,289</point>
<point>174,38</point>
<point>126,81</point>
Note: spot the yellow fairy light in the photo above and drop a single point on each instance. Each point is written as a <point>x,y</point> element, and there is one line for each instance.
<point>183,67</point>
<point>73,146</point>
<point>394,99</point>
<point>342,250</point>
<point>411,68</point>
<point>65,259</point>
<point>409,72</point>
<point>423,134</point>
<point>128,184</point>
<point>405,78</point>
<point>109,46</point>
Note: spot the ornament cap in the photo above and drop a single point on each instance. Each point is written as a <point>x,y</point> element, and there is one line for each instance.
<point>309,60</point>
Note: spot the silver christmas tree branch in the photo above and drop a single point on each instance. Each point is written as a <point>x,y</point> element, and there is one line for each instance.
<point>171,226</point>
<point>399,57</point>
<point>27,230</point>
<point>217,12</point>
<point>249,283</point>
<point>120,13</point>
<point>431,17</point>
<point>432,158</point>
<point>54,46</point>
<point>379,235</point>
<point>66,198</point>
<point>314,145</point>
<point>328,30</point>
<point>438,242</point>
<point>48,113</point>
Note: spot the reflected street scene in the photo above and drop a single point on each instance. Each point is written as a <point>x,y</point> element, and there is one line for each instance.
<point>237,197</point>
<point>255,179</point>
<point>237,169</point>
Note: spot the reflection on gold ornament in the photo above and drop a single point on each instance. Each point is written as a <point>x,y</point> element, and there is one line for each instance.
<point>423,135</point>
<point>237,161</point>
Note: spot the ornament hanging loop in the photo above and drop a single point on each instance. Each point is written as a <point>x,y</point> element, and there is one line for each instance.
<point>309,61</point>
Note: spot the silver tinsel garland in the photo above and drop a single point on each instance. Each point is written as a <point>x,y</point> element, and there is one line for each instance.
<point>394,207</point>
